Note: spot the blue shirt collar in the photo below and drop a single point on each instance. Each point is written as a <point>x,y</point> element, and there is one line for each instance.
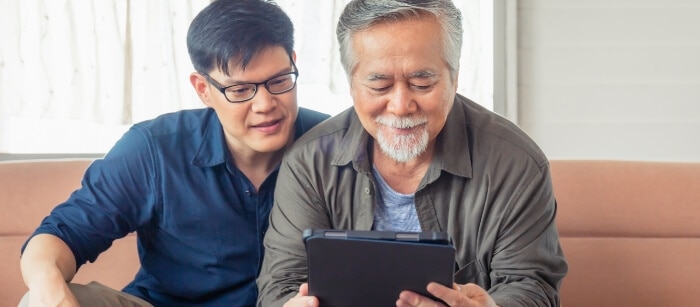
<point>212,150</point>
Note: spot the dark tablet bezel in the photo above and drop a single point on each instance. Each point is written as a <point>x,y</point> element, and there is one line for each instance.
<point>371,268</point>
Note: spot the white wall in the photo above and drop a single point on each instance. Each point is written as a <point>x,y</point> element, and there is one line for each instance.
<point>611,79</point>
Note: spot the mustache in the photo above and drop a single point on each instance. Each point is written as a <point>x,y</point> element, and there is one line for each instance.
<point>401,122</point>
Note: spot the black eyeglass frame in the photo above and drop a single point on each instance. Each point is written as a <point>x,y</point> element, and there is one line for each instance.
<point>223,89</point>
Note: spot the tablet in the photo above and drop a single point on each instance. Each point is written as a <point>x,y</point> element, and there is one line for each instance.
<point>371,268</point>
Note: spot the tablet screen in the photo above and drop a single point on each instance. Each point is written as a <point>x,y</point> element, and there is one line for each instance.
<point>371,268</point>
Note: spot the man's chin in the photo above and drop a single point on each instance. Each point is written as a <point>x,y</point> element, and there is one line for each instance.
<point>404,148</point>
<point>269,146</point>
<point>401,155</point>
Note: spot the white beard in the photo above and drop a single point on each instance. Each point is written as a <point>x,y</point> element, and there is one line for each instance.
<point>402,148</point>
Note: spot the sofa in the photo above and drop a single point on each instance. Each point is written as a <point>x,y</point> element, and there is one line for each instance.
<point>29,189</point>
<point>630,230</point>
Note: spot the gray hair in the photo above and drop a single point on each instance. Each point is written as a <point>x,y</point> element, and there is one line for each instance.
<point>359,15</point>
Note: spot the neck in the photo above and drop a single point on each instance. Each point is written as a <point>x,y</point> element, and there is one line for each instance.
<point>402,177</point>
<point>257,166</point>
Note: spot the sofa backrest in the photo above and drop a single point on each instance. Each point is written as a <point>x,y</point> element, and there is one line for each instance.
<point>630,232</point>
<point>28,191</point>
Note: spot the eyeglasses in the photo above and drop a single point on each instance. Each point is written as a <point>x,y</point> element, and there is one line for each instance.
<point>276,85</point>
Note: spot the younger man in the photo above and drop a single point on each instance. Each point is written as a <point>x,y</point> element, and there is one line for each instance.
<point>196,185</point>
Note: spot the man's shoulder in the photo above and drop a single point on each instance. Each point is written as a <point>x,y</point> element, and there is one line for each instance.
<point>176,122</point>
<point>334,125</point>
<point>307,119</point>
<point>489,129</point>
<point>327,138</point>
<point>311,116</point>
<point>181,130</point>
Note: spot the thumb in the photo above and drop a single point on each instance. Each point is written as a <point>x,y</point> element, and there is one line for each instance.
<point>303,290</point>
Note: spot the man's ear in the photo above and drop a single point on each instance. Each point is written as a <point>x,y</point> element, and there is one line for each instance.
<point>201,87</point>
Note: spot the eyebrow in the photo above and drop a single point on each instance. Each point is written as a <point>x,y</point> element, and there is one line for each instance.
<point>422,74</point>
<point>232,82</point>
<point>418,74</point>
<point>375,77</point>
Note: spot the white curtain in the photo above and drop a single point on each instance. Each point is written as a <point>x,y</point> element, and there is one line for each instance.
<point>107,61</point>
<point>74,74</point>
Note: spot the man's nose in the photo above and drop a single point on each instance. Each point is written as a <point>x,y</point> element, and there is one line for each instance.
<point>401,101</point>
<point>263,101</point>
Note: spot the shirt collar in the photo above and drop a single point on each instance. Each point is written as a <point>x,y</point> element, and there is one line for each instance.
<point>353,146</point>
<point>212,149</point>
<point>453,152</point>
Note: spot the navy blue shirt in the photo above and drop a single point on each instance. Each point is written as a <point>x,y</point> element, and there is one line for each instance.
<point>199,222</point>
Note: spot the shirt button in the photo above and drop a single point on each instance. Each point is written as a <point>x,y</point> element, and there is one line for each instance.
<point>368,191</point>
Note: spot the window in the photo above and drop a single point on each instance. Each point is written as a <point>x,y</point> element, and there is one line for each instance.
<point>75,74</point>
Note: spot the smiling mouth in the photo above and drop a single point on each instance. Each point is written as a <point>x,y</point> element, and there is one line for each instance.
<point>405,130</point>
<point>267,124</point>
<point>269,128</point>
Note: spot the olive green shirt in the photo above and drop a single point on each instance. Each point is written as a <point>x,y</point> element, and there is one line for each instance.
<point>488,186</point>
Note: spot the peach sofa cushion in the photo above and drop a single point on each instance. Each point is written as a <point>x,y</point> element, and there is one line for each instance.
<point>630,232</point>
<point>28,191</point>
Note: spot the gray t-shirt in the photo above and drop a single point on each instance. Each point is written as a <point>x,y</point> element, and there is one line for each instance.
<point>394,211</point>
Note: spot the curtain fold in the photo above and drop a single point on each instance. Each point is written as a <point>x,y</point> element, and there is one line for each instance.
<point>82,64</point>
<point>107,61</point>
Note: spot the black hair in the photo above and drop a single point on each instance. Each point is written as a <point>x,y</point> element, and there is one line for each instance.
<point>237,30</point>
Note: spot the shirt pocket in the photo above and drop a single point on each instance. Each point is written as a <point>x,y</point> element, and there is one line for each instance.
<point>473,272</point>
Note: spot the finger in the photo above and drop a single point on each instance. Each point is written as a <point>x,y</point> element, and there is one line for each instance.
<point>303,290</point>
<point>451,296</point>
<point>412,299</point>
<point>311,301</point>
<point>475,295</point>
<point>302,298</point>
<point>302,301</point>
<point>407,299</point>
<point>472,290</point>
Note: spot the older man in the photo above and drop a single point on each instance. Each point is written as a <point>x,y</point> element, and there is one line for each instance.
<point>414,155</point>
